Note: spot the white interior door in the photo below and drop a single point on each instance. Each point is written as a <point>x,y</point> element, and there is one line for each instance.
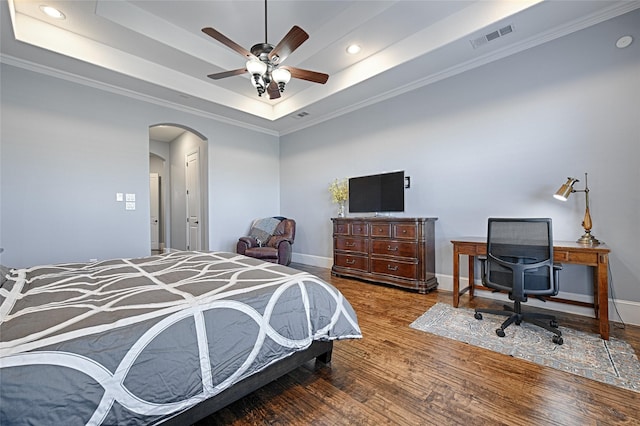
<point>194,235</point>
<point>154,204</point>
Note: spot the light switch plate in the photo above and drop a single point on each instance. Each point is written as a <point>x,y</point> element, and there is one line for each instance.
<point>131,197</point>
<point>119,196</point>
<point>130,205</point>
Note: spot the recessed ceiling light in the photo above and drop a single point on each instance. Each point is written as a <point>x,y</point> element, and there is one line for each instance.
<point>353,49</point>
<point>52,12</point>
<point>624,41</point>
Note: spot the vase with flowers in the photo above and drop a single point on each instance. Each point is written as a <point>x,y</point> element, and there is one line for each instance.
<point>339,190</point>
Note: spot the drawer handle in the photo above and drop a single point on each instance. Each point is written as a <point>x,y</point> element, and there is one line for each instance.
<point>404,231</point>
<point>350,261</point>
<point>392,248</point>
<point>392,268</point>
<point>380,229</point>
<point>349,244</point>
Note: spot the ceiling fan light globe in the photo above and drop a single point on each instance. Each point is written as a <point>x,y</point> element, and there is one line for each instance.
<point>256,67</point>
<point>281,75</point>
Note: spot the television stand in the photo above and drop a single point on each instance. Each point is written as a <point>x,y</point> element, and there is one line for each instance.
<point>389,250</point>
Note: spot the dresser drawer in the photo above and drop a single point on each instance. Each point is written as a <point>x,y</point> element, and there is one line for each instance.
<point>359,229</point>
<point>341,228</point>
<point>360,263</point>
<point>381,230</point>
<point>394,248</point>
<point>405,231</point>
<point>406,270</point>
<point>359,245</point>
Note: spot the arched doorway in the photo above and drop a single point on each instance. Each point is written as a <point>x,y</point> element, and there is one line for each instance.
<point>183,191</point>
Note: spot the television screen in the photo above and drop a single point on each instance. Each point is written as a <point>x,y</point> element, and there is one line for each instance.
<point>377,193</point>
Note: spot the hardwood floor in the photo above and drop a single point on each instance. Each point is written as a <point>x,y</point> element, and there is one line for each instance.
<point>398,375</point>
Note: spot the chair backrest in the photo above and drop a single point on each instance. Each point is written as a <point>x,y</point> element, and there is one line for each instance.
<point>520,257</point>
<point>286,228</point>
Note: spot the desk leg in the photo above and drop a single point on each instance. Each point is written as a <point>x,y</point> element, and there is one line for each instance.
<point>472,275</point>
<point>602,306</point>
<point>456,276</point>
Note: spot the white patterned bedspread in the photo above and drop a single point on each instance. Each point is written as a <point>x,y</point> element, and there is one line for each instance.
<point>132,341</point>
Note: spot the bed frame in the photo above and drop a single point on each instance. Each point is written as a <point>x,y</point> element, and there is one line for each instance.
<point>319,349</point>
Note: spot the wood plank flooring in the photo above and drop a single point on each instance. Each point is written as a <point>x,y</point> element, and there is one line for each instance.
<point>397,375</point>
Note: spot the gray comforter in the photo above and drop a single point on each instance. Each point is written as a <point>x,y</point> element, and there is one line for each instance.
<point>131,341</point>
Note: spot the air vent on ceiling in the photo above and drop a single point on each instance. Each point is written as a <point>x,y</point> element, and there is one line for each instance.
<point>300,115</point>
<point>493,35</point>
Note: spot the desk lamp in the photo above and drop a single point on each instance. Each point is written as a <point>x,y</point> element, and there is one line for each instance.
<point>563,193</point>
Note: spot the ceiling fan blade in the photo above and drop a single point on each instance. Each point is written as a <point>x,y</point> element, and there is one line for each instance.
<point>227,42</point>
<point>273,90</point>
<point>290,42</point>
<point>225,74</point>
<point>316,77</point>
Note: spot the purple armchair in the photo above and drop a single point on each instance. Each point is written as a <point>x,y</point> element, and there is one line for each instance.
<point>276,249</point>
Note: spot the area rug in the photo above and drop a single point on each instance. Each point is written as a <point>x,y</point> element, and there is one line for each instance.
<point>585,354</point>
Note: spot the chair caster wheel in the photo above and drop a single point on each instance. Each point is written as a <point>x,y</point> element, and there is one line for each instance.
<point>553,323</point>
<point>477,316</point>
<point>500,332</point>
<point>557,340</point>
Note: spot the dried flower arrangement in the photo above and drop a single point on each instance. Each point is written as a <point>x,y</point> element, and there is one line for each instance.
<point>339,190</point>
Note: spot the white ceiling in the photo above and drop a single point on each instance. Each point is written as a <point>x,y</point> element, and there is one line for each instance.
<point>156,50</point>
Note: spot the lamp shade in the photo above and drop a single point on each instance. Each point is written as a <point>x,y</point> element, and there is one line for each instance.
<point>565,190</point>
<point>256,67</point>
<point>281,75</point>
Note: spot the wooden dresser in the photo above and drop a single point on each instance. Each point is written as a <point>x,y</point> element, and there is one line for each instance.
<point>390,250</point>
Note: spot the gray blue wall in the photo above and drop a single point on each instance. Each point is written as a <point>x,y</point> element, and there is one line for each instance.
<point>67,149</point>
<point>496,141</point>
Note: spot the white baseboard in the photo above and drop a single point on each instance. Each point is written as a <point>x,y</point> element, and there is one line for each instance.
<point>626,310</point>
<point>308,259</point>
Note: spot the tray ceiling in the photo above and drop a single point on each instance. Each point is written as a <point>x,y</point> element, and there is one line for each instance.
<point>156,50</point>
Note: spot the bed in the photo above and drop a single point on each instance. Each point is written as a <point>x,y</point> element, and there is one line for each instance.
<point>163,339</point>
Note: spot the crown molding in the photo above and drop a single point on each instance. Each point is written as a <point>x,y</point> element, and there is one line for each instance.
<point>95,84</point>
<point>561,31</point>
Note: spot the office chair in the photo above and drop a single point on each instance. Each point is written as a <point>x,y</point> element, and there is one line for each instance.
<point>520,261</point>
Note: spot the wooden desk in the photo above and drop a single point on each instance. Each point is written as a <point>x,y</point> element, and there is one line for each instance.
<point>563,252</point>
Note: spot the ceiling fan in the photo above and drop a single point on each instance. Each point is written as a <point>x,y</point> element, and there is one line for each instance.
<point>264,61</point>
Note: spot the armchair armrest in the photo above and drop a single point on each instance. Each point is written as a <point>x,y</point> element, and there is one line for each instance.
<point>245,243</point>
<point>276,240</point>
<point>283,245</point>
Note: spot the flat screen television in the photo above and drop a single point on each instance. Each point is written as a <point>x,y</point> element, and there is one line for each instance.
<point>381,193</point>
